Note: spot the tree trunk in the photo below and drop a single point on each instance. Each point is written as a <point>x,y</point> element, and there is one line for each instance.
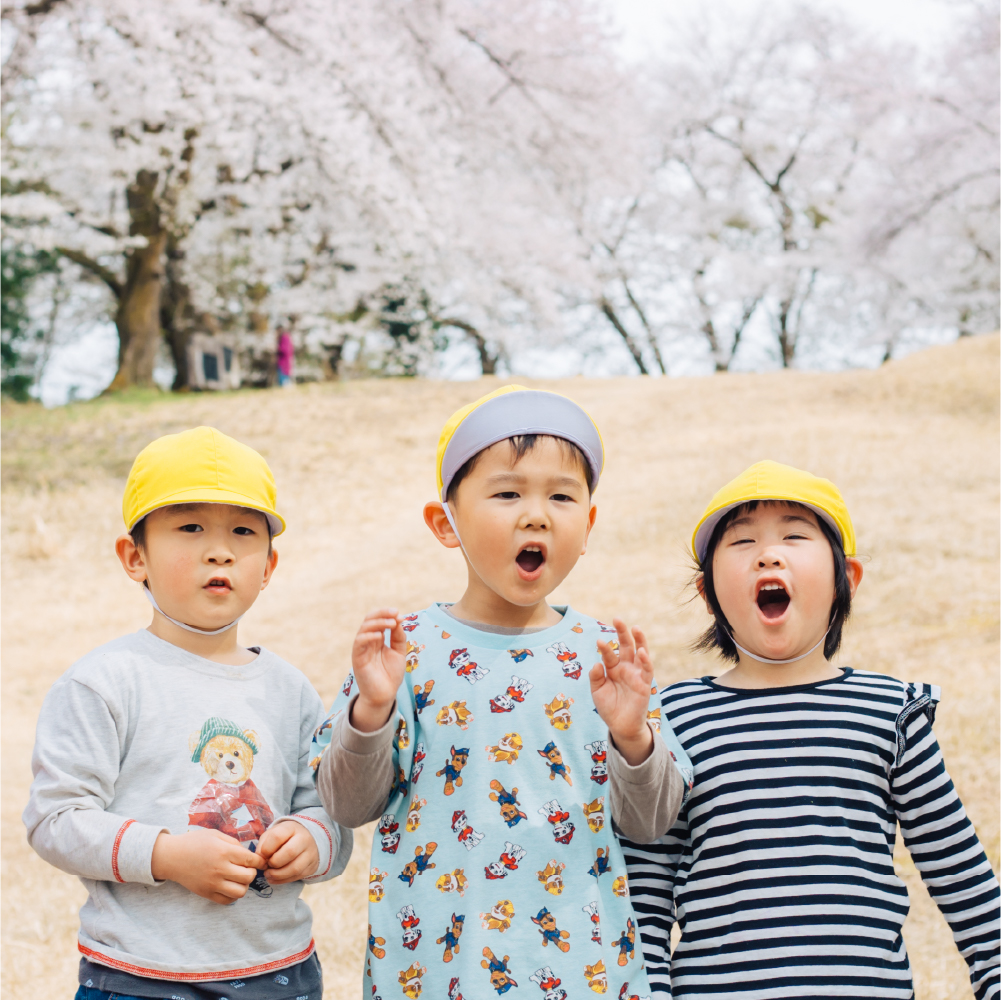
<point>609,310</point>
<point>488,360</point>
<point>177,314</point>
<point>138,315</point>
<point>787,343</point>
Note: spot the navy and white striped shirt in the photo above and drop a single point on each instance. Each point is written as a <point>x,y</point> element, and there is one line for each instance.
<point>779,870</point>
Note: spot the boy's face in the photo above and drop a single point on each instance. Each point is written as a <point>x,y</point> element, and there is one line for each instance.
<point>205,563</point>
<point>773,572</point>
<point>523,525</point>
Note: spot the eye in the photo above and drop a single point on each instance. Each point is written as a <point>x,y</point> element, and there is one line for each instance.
<point>190,528</point>
<point>506,495</point>
<point>236,753</point>
<point>220,756</point>
<point>562,498</point>
<point>243,531</point>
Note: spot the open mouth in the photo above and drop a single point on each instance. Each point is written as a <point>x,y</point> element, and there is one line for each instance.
<point>773,600</point>
<point>217,584</point>
<point>531,558</point>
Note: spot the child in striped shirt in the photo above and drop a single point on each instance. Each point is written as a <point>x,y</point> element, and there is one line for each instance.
<point>779,871</point>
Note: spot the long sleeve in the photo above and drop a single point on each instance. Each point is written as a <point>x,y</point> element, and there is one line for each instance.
<point>75,765</point>
<point>947,852</point>
<point>355,775</point>
<point>653,872</point>
<point>645,798</point>
<point>333,843</point>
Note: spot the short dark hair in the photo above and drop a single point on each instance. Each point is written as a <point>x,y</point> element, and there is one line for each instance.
<point>719,635</point>
<point>522,445</point>
<point>138,530</point>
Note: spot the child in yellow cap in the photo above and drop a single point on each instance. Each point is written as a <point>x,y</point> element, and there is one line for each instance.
<point>498,756</point>
<point>779,870</point>
<point>171,768</point>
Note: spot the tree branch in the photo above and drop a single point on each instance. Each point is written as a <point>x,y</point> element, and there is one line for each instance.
<point>98,270</point>
<point>610,314</point>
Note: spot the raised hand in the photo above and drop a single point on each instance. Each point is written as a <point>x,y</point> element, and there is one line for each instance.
<point>620,687</point>
<point>378,668</point>
<point>207,863</point>
<point>290,852</point>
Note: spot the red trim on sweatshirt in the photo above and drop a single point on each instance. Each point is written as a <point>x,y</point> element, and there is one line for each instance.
<point>330,841</point>
<point>114,850</point>
<point>194,977</point>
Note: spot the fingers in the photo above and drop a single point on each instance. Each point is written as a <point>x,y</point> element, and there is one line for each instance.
<point>596,675</point>
<point>626,644</point>
<point>274,839</point>
<point>296,869</point>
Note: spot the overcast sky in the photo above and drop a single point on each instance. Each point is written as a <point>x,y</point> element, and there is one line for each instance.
<point>919,21</point>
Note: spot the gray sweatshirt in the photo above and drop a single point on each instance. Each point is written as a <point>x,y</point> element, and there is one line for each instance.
<point>140,736</point>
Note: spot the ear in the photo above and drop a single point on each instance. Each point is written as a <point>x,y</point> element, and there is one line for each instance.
<point>252,737</point>
<point>132,559</point>
<point>437,520</point>
<point>269,567</point>
<point>700,586</point>
<point>853,569</point>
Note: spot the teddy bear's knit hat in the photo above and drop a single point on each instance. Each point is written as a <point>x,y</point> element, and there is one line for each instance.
<point>219,727</point>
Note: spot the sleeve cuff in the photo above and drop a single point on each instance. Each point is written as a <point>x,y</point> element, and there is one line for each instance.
<point>364,744</point>
<point>323,839</point>
<point>132,852</point>
<point>649,772</point>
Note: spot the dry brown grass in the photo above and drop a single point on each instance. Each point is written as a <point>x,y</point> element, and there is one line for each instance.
<point>913,446</point>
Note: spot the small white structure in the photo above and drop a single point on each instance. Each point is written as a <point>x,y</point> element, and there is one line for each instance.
<point>212,362</point>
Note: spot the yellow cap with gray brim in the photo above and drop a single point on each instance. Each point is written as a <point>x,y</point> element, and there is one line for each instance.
<point>512,411</point>
<point>773,481</point>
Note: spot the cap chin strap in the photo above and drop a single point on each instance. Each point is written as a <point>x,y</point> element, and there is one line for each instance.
<point>451,520</point>
<point>764,659</point>
<point>188,628</point>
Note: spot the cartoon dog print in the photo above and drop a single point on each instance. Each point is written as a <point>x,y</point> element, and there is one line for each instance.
<point>500,916</point>
<point>390,838</point>
<point>399,784</point>
<point>552,877</point>
<point>347,685</point>
<point>451,937</point>
<point>514,695</point>
<point>592,911</point>
<point>422,861</point>
<point>402,735</point>
<point>555,761</point>
<point>596,976</point>
<point>414,813</point>
<point>620,887</point>
<point>506,749</point>
<point>605,628</point>
<point>506,863</point>
<point>594,813</point>
<point>549,984</point>
<point>376,890</point>
<point>563,828</point>
<point>601,863</point>
<point>508,802</point>
<point>558,712</point>
<point>454,881</point>
<point>411,657</point>
<point>453,989</point>
<point>453,768</point>
<point>626,942</point>
<point>462,663</point>
<point>520,654</point>
<point>500,977</point>
<point>411,623</point>
<point>418,764</point>
<point>468,837</point>
<point>454,714</point>
<point>410,979</point>
<point>599,758</point>
<point>653,717</point>
<point>549,931</point>
<point>422,696</point>
<point>375,944</point>
<point>624,994</point>
<point>409,921</point>
<point>571,666</point>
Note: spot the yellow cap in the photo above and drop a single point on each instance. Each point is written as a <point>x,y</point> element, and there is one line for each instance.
<point>501,414</point>
<point>772,481</point>
<point>199,466</point>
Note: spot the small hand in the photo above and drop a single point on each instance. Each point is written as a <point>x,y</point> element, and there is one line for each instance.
<point>378,668</point>
<point>290,852</point>
<point>207,863</point>
<point>620,687</point>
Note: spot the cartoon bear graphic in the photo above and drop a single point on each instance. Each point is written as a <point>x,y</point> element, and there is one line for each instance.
<point>230,801</point>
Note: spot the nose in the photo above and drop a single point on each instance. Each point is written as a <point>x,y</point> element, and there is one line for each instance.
<point>230,764</point>
<point>771,558</point>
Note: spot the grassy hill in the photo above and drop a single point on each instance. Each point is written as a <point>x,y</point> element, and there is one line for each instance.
<point>913,447</point>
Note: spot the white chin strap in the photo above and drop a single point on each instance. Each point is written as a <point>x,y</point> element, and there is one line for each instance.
<point>188,628</point>
<point>451,520</point>
<point>764,659</point>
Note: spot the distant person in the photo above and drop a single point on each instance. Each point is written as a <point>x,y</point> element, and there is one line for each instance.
<point>501,758</point>
<point>780,871</point>
<point>284,356</point>
<point>170,765</point>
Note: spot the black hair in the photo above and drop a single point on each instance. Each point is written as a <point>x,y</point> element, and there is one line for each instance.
<point>718,635</point>
<point>138,530</point>
<point>522,445</point>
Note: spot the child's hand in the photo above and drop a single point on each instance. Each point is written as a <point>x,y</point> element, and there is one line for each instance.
<point>207,863</point>
<point>290,852</point>
<point>378,668</point>
<point>621,690</point>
